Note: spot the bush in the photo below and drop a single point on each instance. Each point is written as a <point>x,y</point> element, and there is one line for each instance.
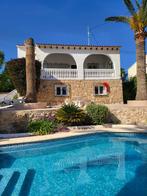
<point>2,57</point>
<point>129,89</point>
<point>6,84</point>
<point>17,72</point>
<point>97,113</point>
<point>42,127</point>
<point>71,114</point>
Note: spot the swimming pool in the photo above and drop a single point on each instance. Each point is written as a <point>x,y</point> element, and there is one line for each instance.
<point>98,164</point>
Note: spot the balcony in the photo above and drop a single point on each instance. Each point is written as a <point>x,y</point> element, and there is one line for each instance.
<point>59,66</point>
<point>99,73</point>
<point>71,74</point>
<point>59,74</point>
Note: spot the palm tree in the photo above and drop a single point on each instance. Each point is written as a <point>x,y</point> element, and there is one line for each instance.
<point>138,23</point>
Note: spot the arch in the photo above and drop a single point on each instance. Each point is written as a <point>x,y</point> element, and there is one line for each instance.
<point>98,61</point>
<point>59,61</point>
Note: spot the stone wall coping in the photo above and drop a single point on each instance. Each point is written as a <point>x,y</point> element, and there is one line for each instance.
<point>28,110</point>
<point>111,106</point>
<point>73,132</point>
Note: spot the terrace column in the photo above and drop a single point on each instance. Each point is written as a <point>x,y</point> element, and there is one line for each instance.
<point>30,71</point>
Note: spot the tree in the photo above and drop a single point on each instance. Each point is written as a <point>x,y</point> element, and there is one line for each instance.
<point>6,84</point>
<point>1,58</point>
<point>138,23</point>
<point>16,69</point>
<point>123,74</point>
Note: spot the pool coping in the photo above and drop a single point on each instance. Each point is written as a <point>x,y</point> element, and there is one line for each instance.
<point>16,139</point>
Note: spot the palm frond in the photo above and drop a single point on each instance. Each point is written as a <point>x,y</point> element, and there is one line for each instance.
<point>144,12</point>
<point>138,4</point>
<point>122,19</point>
<point>130,7</point>
<point>144,3</point>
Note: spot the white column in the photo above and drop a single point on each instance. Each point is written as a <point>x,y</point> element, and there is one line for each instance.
<point>80,67</point>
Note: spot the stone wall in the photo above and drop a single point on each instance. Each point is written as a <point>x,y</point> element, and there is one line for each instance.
<point>125,114</point>
<point>80,89</point>
<point>17,120</point>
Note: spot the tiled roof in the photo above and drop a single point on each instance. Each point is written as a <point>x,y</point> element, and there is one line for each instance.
<point>72,45</point>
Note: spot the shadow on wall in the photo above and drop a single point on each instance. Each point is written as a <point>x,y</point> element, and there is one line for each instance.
<point>13,122</point>
<point>113,119</point>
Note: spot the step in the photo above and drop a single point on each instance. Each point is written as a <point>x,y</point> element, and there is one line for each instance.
<point>1,176</point>
<point>27,183</point>
<point>11,184</point>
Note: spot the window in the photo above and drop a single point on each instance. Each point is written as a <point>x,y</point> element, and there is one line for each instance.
<point>61,90</point>
<point>100,90</point>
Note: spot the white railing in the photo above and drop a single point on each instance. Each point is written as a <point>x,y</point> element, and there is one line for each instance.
<point>99,73</point>
<point>53,74</point>
<point>67,74</point>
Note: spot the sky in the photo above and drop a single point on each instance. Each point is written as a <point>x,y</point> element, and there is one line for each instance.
<point>64,21</point>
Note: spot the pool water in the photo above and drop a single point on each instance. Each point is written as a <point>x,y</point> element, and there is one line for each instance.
<point>97,165</point>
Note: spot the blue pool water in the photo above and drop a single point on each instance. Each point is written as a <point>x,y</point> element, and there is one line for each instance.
<point>93,165</point>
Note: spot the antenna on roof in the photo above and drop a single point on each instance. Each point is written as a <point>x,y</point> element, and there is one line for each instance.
<point>89,36</point>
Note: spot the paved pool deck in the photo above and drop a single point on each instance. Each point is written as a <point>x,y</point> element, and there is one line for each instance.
<point>12,139</point>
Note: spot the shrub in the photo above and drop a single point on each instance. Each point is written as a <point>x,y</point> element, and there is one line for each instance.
<point>17,72</point>
<point>129,89</point>
<point>2,57</point>
<point>71,114</point>
<point>6,84</point>
<point>97,113</point>
<point>42,127</point>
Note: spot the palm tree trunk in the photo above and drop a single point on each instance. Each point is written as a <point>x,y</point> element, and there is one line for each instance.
<point>30,72</point>
<point>141,68</point>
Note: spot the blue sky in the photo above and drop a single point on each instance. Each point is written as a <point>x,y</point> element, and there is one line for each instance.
<point>64,21</point>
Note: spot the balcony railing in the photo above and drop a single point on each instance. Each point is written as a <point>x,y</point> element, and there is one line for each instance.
<point>67,74</point>
<point>53,74</point>
<point>99,73</point>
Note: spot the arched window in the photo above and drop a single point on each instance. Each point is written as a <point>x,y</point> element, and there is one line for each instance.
<point>59,61</point>
<point>98,61</point>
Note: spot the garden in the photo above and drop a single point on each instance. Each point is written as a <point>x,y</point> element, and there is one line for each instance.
<point>70,115</point>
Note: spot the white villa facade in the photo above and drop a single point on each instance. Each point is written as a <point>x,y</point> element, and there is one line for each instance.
<point>78,72</point>
<point>132,71</point>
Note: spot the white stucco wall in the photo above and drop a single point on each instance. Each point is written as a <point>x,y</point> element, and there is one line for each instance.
<point>132,71</point>
<point>79,56</point>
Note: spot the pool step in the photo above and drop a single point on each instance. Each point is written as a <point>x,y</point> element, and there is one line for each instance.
<point>27,183</point>
<point>1,176</point>
<point>11,184</point>
<point>25,186</point>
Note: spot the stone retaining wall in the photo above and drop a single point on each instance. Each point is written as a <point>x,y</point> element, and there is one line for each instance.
<point>126,114</point>
<point>17,120</point>
<point>14,121</point>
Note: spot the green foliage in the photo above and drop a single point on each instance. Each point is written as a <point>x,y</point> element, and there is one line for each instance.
<point>2,57</point>
<point>98,113</point>
<point>129,89</point>
<point>138,16</point>
<point>6,84</point>
<point>42,127</point>
<point>17,73</point>
<point>123,74</point>
<point>71,114</point>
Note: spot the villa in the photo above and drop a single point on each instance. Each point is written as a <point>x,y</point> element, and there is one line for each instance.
<point>132,70</point>
<point>78,73</point>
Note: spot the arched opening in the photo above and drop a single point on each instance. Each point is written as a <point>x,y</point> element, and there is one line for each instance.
<point>98,61</point>
<point>59,61</point>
